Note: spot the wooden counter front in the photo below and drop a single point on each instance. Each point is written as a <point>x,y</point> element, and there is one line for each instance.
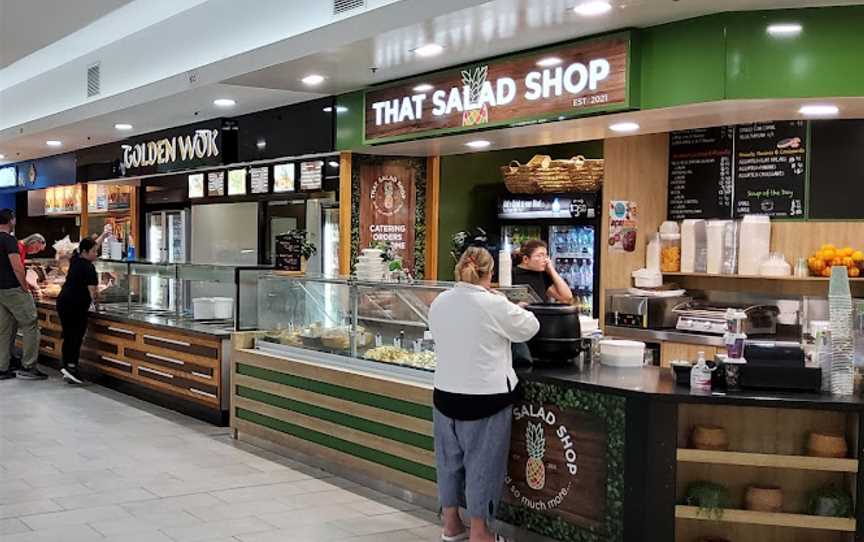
<point>183,369</point>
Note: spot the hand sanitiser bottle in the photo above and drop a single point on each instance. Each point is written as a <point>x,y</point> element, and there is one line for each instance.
<point>700,374</point>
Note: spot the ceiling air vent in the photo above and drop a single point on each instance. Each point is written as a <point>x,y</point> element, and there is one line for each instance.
<point>343,6</point>
<point>93,81</point>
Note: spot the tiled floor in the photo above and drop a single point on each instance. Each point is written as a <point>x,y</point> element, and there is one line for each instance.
<point>85,463</point>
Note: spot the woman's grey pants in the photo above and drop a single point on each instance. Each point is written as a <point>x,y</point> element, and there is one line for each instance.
<point>471,457</point>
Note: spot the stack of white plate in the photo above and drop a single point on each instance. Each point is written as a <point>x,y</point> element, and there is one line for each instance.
<point>370,265</point>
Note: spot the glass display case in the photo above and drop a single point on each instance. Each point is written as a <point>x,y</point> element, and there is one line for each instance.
<point>377,321</point>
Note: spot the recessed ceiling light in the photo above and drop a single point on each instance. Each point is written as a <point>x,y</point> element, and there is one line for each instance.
<point>333,163</point>
<point>328,109</point>
<point>313,79</point>
<point>339,109</point>
<point>261,144</point>
<point>549,61</point>
<point>819,110</point>
<point>2,156</point>
<point>224,102</point>
<point>624,127</point>
<point>423,87</point>
<point>784,29</point>
<point>592,8</point>
<point>478,144</point>
<point>53,143</point>
<point>123,126</point>
<point>430,49</point>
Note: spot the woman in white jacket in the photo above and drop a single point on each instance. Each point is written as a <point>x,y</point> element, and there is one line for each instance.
<point>475,386</point>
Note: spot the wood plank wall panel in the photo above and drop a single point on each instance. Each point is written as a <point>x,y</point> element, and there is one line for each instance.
<point>794,239</point>
<point>344,213</point>
<point>636,170</point>
<point>377,426</point>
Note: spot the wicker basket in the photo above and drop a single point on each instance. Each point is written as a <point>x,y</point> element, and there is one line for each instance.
<point>544,175</point>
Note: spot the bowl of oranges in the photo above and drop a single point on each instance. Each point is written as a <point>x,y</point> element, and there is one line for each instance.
<point>829,256</point>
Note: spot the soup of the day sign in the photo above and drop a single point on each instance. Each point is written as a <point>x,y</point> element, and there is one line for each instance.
<point>552,84</point>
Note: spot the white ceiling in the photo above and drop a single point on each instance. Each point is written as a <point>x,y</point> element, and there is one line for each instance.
<point>29,25</point>
<point>260,77</point>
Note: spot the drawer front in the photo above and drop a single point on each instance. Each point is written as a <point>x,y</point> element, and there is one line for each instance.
<point>186,386</point>
<point>101,346</point>
<point>113,363</point>
<point>110,329</point>
<point>173,363</point>
<point>206,350</point>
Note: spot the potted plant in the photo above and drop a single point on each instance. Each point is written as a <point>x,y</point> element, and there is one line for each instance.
<point>293,251</point>
<point>710,497</point>
<point>461,240</point>
<point>829,501</point>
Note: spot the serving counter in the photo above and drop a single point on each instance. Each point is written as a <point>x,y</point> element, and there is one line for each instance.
<point>598,455</point>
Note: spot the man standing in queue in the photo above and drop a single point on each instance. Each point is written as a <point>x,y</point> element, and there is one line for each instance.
<point>17,306</point>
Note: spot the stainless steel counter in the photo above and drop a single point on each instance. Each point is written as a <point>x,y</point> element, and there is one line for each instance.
<point>665,335</point>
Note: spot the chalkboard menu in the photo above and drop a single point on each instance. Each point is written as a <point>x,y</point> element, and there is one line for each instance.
<point>289,251</point>
<point>837,169</point>
<point>770,168</point>
<point>700,173</point>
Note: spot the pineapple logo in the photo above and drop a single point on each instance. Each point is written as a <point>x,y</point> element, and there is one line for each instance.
<point>535,443</point>
<point>388,195</point>
<point>473,80</point>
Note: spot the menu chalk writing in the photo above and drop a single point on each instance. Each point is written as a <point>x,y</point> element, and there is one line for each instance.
<point>700,173</point>
<point>770,168</point>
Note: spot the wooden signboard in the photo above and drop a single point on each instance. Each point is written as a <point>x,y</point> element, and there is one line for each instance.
<point>557,464</point>
<point>552,84</point>
<point>388,208</point>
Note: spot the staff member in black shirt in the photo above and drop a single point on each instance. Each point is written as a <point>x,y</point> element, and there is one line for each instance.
<point>16,306</point>
<point>73,305</point>
<point>533,267</point>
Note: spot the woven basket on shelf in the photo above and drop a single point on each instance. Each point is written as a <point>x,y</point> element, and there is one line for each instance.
<point>544,175</point>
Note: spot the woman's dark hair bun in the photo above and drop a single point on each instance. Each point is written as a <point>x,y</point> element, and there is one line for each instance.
<point>86,245</point>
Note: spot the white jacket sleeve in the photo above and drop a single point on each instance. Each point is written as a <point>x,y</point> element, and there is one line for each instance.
<point>515,323</point>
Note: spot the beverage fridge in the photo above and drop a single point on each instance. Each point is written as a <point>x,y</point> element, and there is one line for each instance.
<point>570,225</point>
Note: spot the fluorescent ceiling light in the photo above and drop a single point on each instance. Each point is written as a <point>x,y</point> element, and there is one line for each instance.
<point>122,126</point>
<point>53,143</point>
<point>819,110</point>
<point>592,8</point>
<point>423,87</point>
<point>478,144</point>
<point>430,49</point>
<point>224,102</point>
<point>313,79</point>
<point>549,61</point>
<point>784,29</point>
<point>624,127</point>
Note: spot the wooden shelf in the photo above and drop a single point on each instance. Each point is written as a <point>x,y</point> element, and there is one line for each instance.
<point>801,462</point>
<point>755,277</point>
<point>801,521</point>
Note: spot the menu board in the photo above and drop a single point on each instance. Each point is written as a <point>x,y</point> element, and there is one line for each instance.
<point>237,182</point>
<point>196,185</point>
<point>283,178</point>
<point>216,183</point>
<point>97,198</point>
<point>770,168</point>
<point>260,180</point>
<point>700,173</point>
<point>311,175</point>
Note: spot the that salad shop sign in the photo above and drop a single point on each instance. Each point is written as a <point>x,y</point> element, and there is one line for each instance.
<point>553,84</point>
<point>557,463</point>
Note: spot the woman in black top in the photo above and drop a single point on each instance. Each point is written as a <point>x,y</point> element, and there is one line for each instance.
<point>73,305</point>
<point>533,267</point>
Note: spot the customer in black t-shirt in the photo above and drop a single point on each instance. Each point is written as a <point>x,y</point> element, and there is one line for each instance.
<point>532,267</point>
<point>73,305</point>
<point>16,306</point>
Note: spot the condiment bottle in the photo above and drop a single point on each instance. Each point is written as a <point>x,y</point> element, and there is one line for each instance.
<point>700,374</point>
<point>505,267</point>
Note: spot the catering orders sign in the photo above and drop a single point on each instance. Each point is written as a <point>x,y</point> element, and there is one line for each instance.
<point>557,463</point>
<point>553,84</point>
<point>387,208</point>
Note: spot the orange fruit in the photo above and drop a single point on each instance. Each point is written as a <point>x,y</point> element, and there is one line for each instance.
<point>854,272</point>
<point>847,251</point>
<point>848,262</point>
<point>838,261</point>
<point>826,272</point>
<point>829,254</point>
<point>818,265</point>
<point>828,247</point>
<point>858,256</point>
